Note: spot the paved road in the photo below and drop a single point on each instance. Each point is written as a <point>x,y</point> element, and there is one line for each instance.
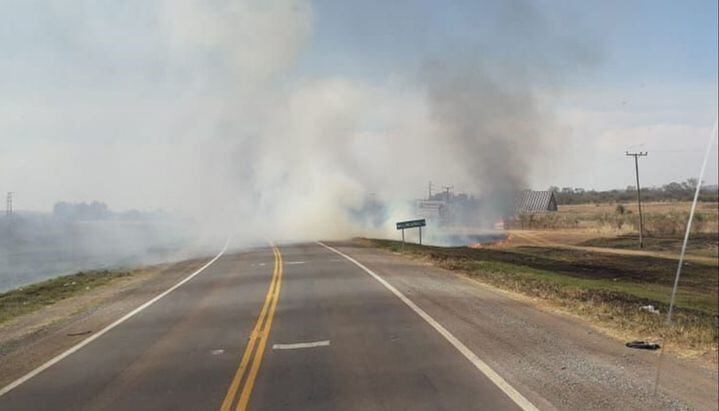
<point>296,328</point>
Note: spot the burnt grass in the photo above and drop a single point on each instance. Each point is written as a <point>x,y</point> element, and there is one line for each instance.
<point>592,265</point>
<point>557,275</point>
<point>587,264</point>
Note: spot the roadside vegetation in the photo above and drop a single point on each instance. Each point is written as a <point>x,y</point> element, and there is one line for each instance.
<point>30,298</point>
<point>675,191</point>
<point>661,219</point>
<point>605,288</point>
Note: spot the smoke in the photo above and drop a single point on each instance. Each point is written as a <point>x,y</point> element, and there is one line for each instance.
<point>492,107</point>
<point>197,107</point>
<point>493,126</point>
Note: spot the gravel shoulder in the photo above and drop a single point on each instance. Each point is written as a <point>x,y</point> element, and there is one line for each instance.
<point>556,359</point>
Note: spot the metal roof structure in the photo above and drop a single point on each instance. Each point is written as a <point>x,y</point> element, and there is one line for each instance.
<point>529,201</point>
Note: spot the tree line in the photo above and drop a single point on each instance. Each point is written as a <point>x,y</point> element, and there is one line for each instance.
<point>675,191</point>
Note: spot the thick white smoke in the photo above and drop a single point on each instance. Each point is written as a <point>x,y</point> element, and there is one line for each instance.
<point>196,106</point>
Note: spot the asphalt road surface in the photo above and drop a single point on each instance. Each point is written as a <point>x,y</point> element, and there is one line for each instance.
<point>290,328</point>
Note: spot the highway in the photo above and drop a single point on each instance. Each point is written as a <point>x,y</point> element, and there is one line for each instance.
<point>297,327</point>
<point>341,326</point>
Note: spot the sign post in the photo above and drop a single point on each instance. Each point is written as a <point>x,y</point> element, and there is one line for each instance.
<point>401,225</point>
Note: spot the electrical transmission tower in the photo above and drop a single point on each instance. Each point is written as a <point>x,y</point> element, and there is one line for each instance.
<point>639,195</point>
<point>8,204</point>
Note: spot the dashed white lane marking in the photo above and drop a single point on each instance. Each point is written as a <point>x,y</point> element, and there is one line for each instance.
<point>503,385</point>
<point>295,346</point>
<point>92,338</point>
<point>294,262</point>
<point>217,352</point>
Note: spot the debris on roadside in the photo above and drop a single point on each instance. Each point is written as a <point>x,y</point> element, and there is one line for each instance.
<point>643,345</point>
<point>649,308</point>
<point>75,334</point>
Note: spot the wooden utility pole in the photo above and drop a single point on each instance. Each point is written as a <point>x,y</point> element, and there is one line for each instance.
<point>639,195</point>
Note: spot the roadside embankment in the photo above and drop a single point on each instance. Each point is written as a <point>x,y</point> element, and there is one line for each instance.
<point>31,298</point>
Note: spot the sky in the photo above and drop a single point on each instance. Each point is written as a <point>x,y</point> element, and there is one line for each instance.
<point>645,78</point>
<point>285,106</point>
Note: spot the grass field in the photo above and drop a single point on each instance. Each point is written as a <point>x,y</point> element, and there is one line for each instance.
<point>653,207</point>
<point>661,219</point>
<point>604,288</point>
<point>33,297</point>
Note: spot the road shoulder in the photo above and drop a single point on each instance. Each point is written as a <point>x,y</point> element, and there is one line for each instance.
<point>546,355</point>
<point>31,339</point>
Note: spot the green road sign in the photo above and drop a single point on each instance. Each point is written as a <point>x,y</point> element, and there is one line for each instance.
<point>411,224</point>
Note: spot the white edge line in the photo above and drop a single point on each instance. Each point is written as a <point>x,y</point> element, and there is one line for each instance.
<point>97,335</point>
<point>503,385</point>
<point>295,346</point>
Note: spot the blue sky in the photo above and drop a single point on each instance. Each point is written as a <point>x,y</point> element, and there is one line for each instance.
<point>655,59</point>
<point>665,41</point>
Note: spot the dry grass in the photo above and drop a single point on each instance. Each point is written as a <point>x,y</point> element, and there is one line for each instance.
<point>30,298</point>
<point>660,219</point>
<point>608,226</point>
<point>654,207</point>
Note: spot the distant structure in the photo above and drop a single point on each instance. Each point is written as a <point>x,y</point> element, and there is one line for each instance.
<point>432,209</point>
<point>8,204</point>
<point>529,201</point>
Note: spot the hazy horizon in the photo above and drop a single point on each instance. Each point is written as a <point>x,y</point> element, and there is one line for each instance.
<point>241,113</point>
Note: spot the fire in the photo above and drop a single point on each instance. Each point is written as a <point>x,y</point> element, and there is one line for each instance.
<point>498,243</point>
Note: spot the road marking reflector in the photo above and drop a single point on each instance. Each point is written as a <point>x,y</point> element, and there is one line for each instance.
<point>296,346</point>
<point>503,385</point>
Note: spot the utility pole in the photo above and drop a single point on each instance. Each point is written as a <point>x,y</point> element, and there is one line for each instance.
<point>8,204</point>
<point>448,219</point>
<point>447,192</point>
<point>639,195</point>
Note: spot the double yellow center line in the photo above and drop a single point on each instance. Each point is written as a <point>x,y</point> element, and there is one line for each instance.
<point>252,358</point>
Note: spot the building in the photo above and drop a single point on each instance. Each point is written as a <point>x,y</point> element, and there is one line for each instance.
<point>432,209</point>
<point>529,201</point>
